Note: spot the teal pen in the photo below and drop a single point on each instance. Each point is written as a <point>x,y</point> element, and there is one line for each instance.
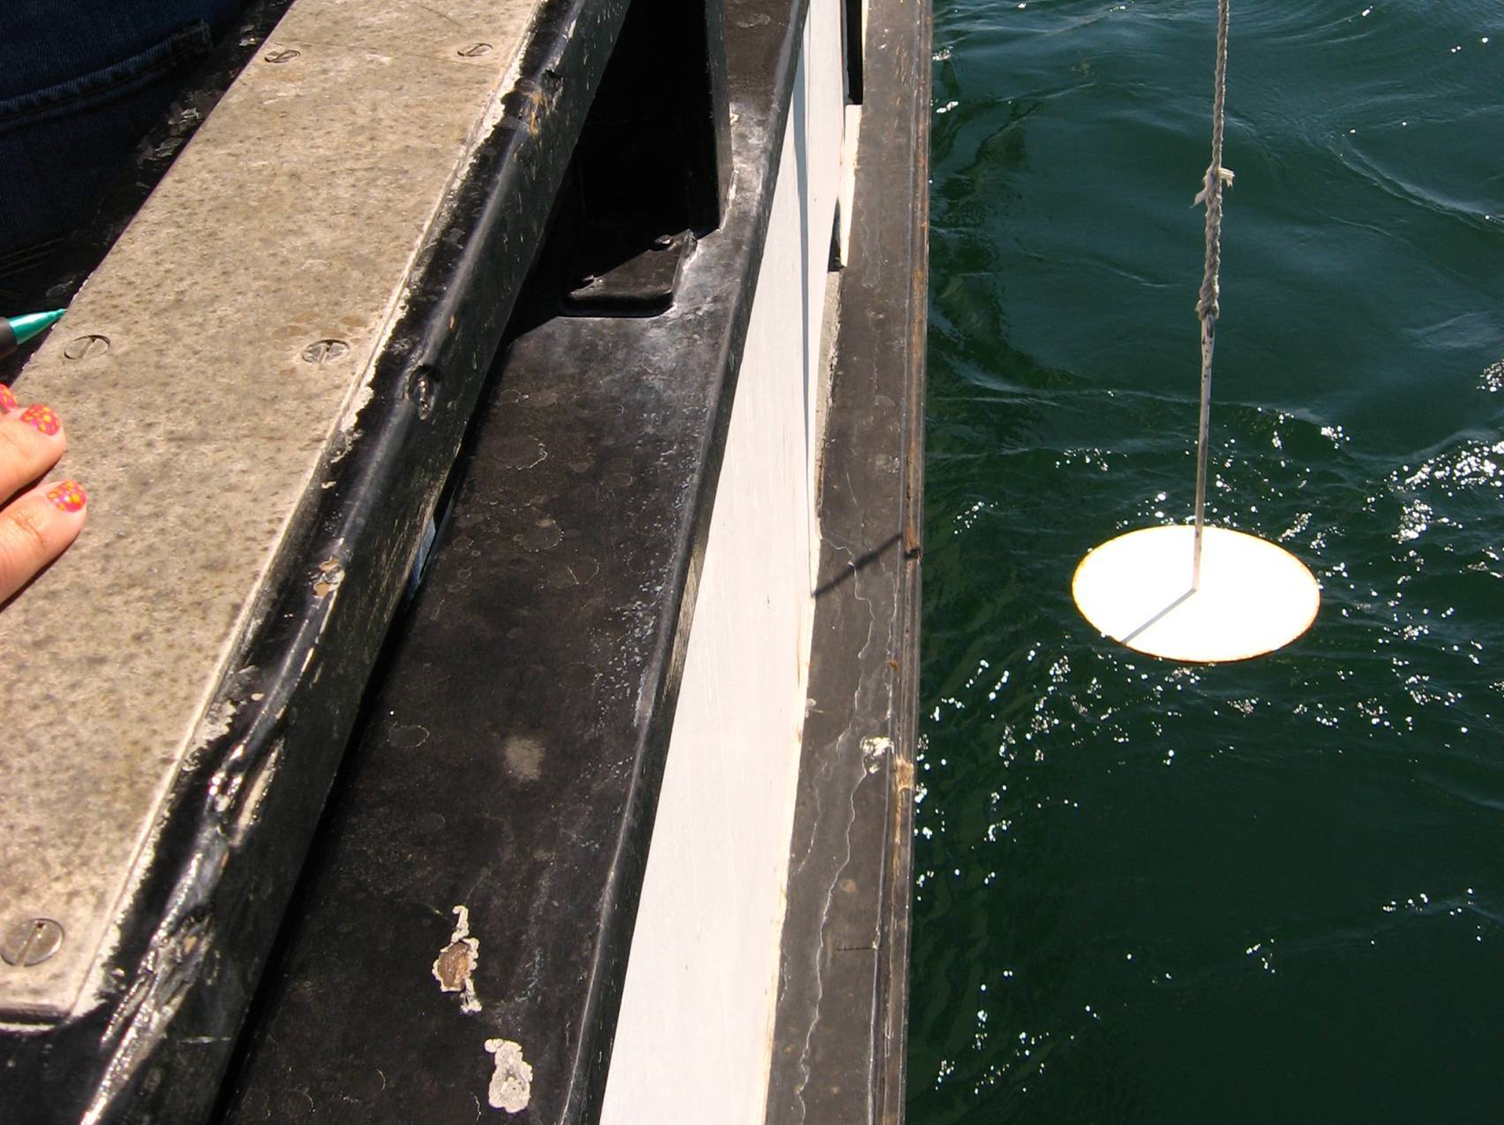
<point>16,330</point>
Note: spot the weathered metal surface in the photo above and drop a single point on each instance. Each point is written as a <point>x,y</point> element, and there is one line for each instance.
<point>838,1049</point>
<point>199,417</point>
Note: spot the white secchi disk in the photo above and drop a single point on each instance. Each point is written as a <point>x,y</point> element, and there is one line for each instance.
<point>1255,597</point>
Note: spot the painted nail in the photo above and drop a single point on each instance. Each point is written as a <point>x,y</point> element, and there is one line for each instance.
<point>42,419</point>
<point>68,496</point>
<point>7,400</point>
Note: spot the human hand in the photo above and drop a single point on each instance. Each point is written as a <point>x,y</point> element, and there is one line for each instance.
<point>38,521</point>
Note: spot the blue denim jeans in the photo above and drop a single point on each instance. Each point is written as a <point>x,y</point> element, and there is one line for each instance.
<point>81,81</point>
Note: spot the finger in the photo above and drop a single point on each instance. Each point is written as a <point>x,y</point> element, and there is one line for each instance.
<point>35,529</point>
<point>31,441</point>
<point>7,400</point>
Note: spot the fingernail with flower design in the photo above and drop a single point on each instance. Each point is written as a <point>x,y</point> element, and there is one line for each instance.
<point>69,496</point>
<point>43,419</point>
<point>7,400</point>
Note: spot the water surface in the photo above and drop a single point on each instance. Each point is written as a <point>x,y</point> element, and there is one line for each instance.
<point>1263,892</point>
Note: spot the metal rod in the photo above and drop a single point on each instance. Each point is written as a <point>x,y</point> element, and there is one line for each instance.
<point>1208,338</point>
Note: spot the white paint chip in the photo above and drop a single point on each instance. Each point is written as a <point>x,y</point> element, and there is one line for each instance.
<point>512,1080</point>
<point>454,968</point>
<point>875,748</point>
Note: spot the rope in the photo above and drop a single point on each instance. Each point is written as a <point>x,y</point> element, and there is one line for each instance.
<point>1207,306</point>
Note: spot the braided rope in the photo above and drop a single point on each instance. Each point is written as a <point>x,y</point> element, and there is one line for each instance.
<point>1216,176</point>
<point>1207,304</point>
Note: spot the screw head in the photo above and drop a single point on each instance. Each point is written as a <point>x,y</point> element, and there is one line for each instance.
<point>86,347</point>
<point>474,51</point>
<point>322,352</point>
<point>30,941</point>
<point>282,55</point>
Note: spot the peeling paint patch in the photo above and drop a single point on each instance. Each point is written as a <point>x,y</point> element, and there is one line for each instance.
<point>454,968</point>
<point>214,724</point>
<point>331,574</point>
<point>512,1081</point>
<point>874,750</point>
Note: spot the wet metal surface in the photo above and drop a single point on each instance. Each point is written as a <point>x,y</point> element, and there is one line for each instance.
<point>199,422</point>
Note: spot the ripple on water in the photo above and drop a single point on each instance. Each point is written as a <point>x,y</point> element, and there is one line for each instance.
<point>1139,885</point>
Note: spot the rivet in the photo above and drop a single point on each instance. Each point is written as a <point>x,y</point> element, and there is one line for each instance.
<point>86,347</point>
<point>30,941</point>
<point>321,352</point>
<point>474,51</point>
<point>282,55</point>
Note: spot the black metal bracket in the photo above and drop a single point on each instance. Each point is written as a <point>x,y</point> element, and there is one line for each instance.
<point>633,282</point>
<point>653,167</point>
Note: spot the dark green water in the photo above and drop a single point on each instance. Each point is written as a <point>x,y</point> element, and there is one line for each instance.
<point>1263,892</point>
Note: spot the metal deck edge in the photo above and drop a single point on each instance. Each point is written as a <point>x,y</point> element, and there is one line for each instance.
<point>839,1035</point>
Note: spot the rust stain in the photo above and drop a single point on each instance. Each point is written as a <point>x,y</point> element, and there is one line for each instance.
<point>903,774</point>
<point>454,968</point>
